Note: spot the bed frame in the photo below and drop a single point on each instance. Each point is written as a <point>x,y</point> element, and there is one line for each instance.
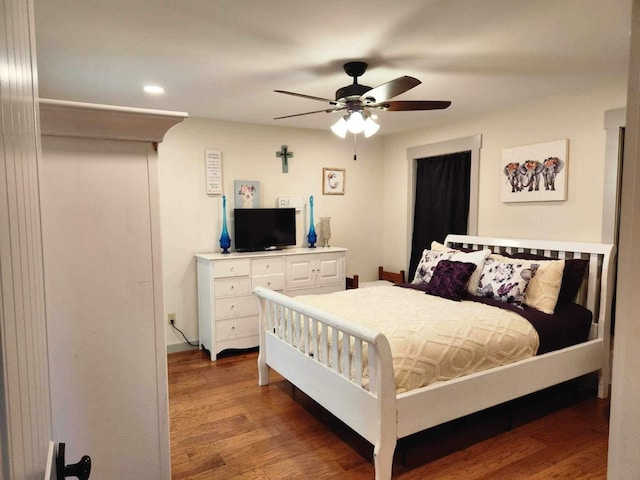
<point>394,277</point>
<point>290,333</point>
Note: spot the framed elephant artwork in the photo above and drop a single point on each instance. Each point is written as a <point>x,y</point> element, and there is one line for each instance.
<point>535,173</point>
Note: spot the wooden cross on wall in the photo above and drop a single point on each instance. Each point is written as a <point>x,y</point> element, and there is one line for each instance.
<point>285,155</point>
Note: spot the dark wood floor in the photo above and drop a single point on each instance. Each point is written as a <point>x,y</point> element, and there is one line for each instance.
<point>224,426</point>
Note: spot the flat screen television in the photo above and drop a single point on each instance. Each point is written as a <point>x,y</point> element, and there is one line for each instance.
<point>264,228</point>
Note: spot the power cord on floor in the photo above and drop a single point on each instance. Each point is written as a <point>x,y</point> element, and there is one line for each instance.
<point>173,324</point>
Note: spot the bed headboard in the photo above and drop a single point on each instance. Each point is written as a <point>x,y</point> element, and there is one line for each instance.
<point>596,291</point>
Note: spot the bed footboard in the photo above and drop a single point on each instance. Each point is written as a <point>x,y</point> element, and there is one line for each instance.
<point>346,368</point>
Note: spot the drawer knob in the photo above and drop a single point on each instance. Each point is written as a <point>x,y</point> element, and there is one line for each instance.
<point>232,287</point>
<point>233,268</point>
<point>232,307</point>
<point>233,329</point>
<point>268,284</point>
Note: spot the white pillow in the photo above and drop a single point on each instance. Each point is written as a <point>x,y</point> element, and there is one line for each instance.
<point>439,247</point>
<point>473,257</point>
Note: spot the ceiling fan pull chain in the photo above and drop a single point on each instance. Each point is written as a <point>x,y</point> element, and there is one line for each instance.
<point>355,146</point>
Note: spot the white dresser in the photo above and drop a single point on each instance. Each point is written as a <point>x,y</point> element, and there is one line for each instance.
<point>227,309</point>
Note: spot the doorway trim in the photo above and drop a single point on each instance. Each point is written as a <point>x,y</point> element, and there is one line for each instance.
<point>614,122</point>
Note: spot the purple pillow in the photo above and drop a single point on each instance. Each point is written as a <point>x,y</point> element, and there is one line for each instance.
<point>449,279</point>
<point>574,270</point>
<point>572,275</point>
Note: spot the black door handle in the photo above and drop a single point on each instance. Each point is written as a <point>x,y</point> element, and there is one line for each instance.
<point>80,470</point>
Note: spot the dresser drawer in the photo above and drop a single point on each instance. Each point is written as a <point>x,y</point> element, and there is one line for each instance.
<point>265,266</point>
<point>236,328</point>
<point>231,286</point>
<point>233,307</point>
<point>231,268</point>
<point>274,281</point>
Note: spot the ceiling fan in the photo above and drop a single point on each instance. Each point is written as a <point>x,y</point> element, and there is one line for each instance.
<point>359,100</point>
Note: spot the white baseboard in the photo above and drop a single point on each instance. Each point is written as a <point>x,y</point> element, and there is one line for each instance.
<point>180,347</point>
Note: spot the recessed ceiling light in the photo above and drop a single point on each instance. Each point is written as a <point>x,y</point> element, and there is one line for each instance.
<point>154,89</point>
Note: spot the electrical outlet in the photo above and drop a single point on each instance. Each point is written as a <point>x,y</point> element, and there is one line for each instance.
<point>171,317</point>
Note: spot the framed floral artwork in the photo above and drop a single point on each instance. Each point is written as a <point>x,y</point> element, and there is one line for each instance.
<point>247,193</point>
<point>333,181</point>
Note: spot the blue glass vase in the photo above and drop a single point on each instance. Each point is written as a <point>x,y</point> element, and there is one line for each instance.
<point>311,236</point>
<point>225,239</point>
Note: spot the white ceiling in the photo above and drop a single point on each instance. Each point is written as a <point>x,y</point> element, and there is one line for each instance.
<point>222,59</point>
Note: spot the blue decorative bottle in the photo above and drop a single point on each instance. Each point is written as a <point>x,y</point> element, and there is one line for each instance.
<point>311,237</point>
<point>225,239</point>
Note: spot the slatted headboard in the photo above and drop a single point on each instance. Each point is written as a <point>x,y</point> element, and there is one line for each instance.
<point>593,294</point>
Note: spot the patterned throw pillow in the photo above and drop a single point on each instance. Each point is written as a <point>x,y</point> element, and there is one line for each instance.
<point>449,279</point>
<point>544,287</point>
<point>572,275</point>
<point>506,282</point>
<point>427,264</point>
<point>430,259</point>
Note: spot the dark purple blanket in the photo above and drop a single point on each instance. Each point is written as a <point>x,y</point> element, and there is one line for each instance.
<point>569,325</point>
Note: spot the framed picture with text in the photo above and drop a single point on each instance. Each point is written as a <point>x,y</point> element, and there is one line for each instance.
<point>333,181</point>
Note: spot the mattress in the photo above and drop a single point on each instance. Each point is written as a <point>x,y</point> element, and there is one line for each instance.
<point>433,339</point>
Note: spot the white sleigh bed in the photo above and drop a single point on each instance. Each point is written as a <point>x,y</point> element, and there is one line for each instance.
<point>303,344</point>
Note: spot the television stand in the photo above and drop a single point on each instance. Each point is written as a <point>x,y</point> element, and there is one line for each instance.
<point>228,311</point>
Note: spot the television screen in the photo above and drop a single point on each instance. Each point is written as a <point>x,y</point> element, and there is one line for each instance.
<point>264,228</point>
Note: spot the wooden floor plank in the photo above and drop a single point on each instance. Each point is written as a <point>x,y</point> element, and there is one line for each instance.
<point>224,426</point>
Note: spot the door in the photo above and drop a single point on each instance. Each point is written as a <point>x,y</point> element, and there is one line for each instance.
<point>107,362</point>
<point>328,269</point>
<point>300,271</point>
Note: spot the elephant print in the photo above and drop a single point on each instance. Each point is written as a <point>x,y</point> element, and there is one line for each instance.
<point>527,166</point>
<point>552,167</point>
<point>530,172</point>
<point>513,176</point>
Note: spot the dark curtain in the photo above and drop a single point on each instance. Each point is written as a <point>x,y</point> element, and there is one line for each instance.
<point>441,201</point>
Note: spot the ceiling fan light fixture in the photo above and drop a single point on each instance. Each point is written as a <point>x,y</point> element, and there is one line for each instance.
<point>340,127</point>
<point>153,89</point>
<point>355,123</point>
<point>370,127</point>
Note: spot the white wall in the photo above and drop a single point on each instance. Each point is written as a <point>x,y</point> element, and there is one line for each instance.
<point>377,184</point>
<point>624,437</point>
<point>25,414</point>
<point>191,220</point>
<point>577,116</point>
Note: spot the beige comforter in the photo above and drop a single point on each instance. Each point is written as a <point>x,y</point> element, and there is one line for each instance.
<point>433,339</point>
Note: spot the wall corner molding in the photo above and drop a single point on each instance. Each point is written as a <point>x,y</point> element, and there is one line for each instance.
<point>89,120</point>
